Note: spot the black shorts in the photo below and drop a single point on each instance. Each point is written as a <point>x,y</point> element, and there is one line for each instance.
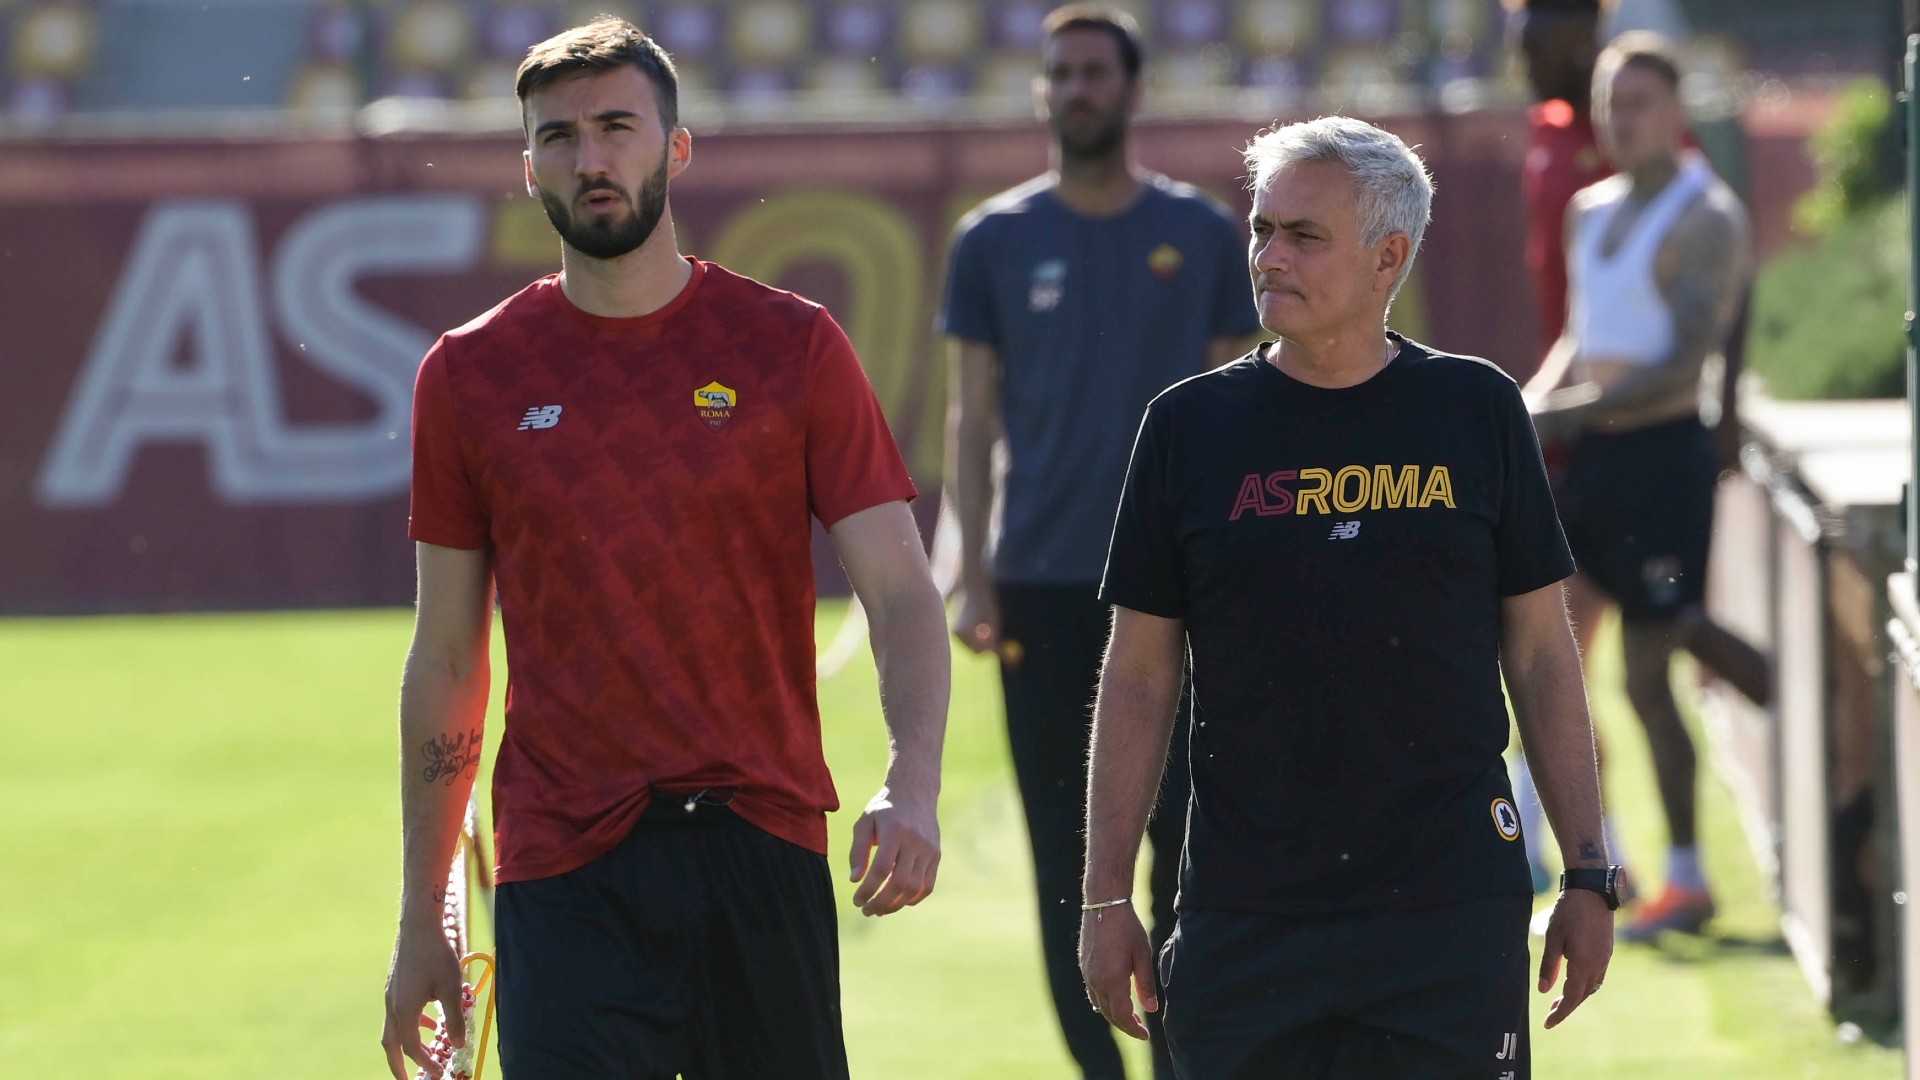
<point>700,946</point>
<point>1432,994</point>
<point>1638,511</point>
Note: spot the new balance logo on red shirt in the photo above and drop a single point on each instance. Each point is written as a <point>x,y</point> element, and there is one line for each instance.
<point>540,417</point>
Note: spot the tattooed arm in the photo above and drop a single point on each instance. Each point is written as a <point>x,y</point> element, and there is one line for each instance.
<point>443,705</point>
<point>1702,270</point>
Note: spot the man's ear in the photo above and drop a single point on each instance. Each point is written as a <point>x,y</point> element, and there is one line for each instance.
<point>533,189</point>
<point>1393,253</point>
<point>679,151</point>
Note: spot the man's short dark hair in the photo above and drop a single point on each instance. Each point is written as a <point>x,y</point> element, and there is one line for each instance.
<point>1645,50</point>
<point>1126,32</point>
<point>605,44</point>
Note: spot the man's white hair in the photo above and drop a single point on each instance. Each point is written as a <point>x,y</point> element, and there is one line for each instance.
<point>1392,191</point>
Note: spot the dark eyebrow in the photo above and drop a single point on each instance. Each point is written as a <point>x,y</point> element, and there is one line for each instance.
<point>606,117</point>
<point>1254,221</point>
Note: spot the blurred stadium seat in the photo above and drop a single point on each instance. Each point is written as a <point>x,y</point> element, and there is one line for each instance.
<point>50,46</point>
<point>837,57</point>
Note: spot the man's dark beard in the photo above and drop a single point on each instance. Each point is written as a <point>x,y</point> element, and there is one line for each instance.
<point>611,237</point>
<point>1102,142</point>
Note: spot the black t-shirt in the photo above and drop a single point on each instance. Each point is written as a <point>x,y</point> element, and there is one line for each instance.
<point>1339,558</point>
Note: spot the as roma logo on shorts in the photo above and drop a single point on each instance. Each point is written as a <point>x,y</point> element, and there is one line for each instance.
<point>1506,819</point>
<point>1165,261</point>
<point>715,404</point>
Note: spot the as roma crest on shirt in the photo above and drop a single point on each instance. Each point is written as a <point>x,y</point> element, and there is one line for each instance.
<point>1506,819</point>
<point>715,404</point>
<point>1165,261</point>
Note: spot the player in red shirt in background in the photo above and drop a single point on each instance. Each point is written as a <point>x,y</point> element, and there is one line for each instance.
<point>1558,41</point>
<point>631,452</point>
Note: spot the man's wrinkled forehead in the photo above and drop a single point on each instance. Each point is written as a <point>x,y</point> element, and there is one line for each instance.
<point>1291,188</point>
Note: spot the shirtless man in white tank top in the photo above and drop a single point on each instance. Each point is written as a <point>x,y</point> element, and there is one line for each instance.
<point>1657,259</point>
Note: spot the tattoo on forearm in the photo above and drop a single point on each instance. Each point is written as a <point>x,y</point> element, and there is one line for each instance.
<point>1591,850</point>
<point>451,757</point>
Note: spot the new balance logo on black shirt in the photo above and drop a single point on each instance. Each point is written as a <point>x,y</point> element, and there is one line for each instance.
<point>1346,530</point>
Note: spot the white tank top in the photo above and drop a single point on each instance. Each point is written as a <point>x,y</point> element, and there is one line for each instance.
<point>1615,310</point>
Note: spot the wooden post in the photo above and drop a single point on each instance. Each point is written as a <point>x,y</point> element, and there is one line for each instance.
<point>1911,118</point>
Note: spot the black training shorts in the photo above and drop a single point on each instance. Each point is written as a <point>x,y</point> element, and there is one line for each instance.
<point>1638,511</point>
<point>1431,994</point>
<point>700,946</point>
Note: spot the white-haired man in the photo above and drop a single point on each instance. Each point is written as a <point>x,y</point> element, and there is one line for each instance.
<point>1354,537</point>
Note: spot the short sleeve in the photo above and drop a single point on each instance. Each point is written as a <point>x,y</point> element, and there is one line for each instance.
<point>445,508</point>
<point>966,311</point>
<point>1233,311</point>
<point>1144,572</point>
<point>852,461</point>
<point>1530,546</point>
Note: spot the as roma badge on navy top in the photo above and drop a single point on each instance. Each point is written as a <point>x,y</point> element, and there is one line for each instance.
<point>1165,261</point>
<point>715,404</point>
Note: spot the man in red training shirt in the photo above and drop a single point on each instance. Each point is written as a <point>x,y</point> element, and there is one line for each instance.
<point>1558,42</point>
<point>630,452</point>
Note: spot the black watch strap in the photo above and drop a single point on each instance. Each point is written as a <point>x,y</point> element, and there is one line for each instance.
<point>1605,882</point>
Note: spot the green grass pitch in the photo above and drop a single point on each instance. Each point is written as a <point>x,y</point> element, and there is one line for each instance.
<point>200,853</point>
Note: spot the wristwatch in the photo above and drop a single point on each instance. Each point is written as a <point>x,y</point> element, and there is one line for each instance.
<point>1605,882</point>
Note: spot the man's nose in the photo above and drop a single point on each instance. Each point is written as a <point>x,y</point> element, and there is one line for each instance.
<point>1270,255</point>
<point>591,157</point>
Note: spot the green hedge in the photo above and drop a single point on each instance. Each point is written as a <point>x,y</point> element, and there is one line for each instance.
<point>1857,156</point>
<point>1828,319</point>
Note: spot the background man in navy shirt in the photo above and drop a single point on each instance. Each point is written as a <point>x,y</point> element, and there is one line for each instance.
<point>1072,300</point>
<point>1352,537</point>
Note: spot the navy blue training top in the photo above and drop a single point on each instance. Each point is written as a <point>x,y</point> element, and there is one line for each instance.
<point>1090,317</point>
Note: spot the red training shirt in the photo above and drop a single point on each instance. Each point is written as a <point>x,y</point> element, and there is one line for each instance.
<point>645,485</point>
<point>1563,156</point>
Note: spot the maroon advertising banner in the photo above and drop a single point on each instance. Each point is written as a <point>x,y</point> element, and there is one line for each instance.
<point>210,345</point>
